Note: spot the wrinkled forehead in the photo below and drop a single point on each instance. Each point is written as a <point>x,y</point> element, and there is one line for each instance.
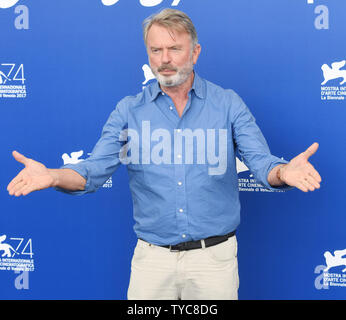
<point>165,34</point>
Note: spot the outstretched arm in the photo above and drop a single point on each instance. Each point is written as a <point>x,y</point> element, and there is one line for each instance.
<point>299,172</point>
<point>36,176</point>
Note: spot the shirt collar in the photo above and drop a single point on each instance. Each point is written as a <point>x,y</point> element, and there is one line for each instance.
<point>198,86</point>
<point>154,91</point>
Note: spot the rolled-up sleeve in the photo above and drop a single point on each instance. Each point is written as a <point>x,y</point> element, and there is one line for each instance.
<point>104,159</point>
<point>251,144</point>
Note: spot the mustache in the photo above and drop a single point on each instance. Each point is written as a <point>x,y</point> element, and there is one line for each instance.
<point>165,67</point>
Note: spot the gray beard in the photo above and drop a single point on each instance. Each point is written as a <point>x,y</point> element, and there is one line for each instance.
<point>175,80</point>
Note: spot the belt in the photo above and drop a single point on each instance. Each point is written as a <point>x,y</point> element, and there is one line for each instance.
<point>197,244</point>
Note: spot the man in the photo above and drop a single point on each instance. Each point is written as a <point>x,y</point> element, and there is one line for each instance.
<point>185,200</point>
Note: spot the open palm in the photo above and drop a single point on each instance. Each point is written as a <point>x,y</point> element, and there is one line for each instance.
<point>35,176</point>
<point>300,173</point>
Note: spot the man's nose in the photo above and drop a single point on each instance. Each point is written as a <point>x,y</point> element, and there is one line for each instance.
<point>165,58</point>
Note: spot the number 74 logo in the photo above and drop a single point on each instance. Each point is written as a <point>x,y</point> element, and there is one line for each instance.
<point>25,249</point>
<point>17,72</point>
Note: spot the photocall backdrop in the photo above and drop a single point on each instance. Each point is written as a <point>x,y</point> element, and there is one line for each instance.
<point>64,65</point>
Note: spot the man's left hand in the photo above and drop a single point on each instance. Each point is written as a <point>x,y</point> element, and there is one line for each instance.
<point>300,173</point>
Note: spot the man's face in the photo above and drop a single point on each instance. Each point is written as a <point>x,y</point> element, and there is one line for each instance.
<point>170,56</point>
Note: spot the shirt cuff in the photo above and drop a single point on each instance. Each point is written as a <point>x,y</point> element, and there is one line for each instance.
<point>284,187</point>
<point>81,170</point>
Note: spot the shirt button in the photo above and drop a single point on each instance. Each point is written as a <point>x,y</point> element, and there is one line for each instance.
<point>184,235</point>
<point>181,210</point>
<point>179,156</point>
<point>180,183</point>
<point>170,107</point>
<point>178,130</point>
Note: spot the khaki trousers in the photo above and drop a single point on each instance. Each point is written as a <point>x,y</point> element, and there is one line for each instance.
<point>199,274</point>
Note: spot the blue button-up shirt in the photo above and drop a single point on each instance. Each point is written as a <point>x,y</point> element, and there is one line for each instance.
<point>180,192</point>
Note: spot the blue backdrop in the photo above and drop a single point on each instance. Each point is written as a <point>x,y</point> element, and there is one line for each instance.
<point>63,67</point>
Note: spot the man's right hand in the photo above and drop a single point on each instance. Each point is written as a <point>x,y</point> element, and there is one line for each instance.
<point>35,176</point>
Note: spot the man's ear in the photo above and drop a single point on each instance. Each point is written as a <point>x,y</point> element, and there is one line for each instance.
<point>196,52</point>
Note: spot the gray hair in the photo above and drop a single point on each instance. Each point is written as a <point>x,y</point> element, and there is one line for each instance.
<point>171,19</point>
